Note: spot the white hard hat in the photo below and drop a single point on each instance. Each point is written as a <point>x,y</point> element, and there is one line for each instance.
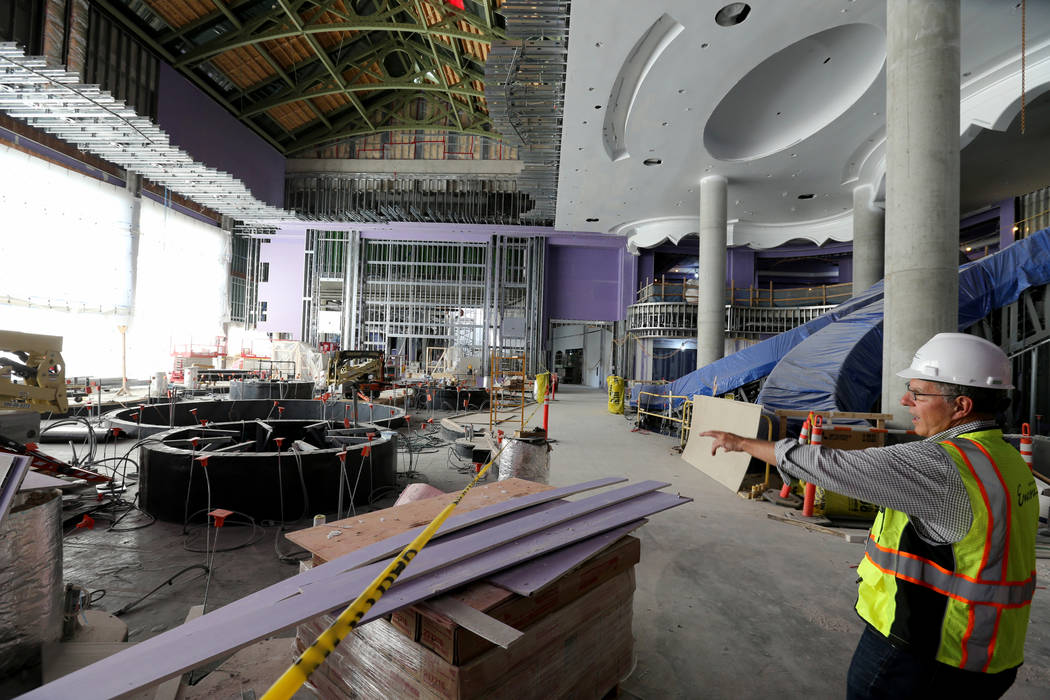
<point>961,358</point>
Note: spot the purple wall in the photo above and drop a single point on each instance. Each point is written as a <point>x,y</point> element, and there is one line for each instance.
<point>1006,223</point>
<point>646,267</point>
<point>213,136</point>
<point>845,270</point>
<point>740,267</point>
<point>584,283</point>
<point>283,294</point>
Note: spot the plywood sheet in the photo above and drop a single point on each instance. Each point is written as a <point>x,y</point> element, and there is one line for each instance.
<point>709,413</point>
<point>368,528</point>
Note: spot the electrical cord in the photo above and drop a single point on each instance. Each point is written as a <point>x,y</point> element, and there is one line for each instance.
<point>169,582</point>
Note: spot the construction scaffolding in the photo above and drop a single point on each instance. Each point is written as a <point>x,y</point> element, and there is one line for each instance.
<point>506,391</point>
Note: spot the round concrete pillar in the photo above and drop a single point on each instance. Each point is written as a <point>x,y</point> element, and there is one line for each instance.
<point>710,317</point>
<point>869,240</point>
<point>922,184</point>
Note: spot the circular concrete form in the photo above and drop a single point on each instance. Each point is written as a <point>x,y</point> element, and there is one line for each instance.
<point>246,473</point>
<point>246,389</point>
<point>452,399</point>
<point>796,92</point>
<point>159,417</point>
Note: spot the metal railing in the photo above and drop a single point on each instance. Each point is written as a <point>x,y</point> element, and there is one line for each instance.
<point>679,319</point>
<point>685,291</point>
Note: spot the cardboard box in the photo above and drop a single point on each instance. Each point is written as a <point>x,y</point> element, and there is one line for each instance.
<point>406,621</point>
<point>583,650</point>
<point>458,645</point>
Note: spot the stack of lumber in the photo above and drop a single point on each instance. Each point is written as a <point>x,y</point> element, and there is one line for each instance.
<point>537,530</point>
<point>555,625</point>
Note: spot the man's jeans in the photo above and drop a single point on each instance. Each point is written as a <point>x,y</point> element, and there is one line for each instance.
<point>881,670</point>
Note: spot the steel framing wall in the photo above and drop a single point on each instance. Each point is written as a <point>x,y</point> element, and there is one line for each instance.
<point>244,281</point>
<point>326,269</point>
<point>403,296</point>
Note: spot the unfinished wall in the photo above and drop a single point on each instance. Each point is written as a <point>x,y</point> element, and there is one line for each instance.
<point>283,293</point>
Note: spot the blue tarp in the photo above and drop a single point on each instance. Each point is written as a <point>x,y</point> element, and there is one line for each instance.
<point>840,368</point>
<point>835,362</point>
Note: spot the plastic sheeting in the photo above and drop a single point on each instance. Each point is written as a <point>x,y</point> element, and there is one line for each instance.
<point>751,363</point>
<point>835,362</point>
<point>30,578</point>
<point>840,367</point>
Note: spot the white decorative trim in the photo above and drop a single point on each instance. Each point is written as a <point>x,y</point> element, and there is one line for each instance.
<point>818,231</point>
<point>992,99</point>
<point>653,232</point>
<point>632,74</point>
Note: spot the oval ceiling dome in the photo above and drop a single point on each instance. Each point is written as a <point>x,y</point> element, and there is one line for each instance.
<point>796,92</point>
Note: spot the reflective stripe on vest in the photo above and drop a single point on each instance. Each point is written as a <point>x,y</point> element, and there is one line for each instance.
<point>990,586</point>
<point>926,573</point>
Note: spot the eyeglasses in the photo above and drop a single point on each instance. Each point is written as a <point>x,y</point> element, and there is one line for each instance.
<point>916,394</point>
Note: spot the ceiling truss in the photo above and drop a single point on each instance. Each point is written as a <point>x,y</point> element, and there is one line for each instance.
<point>308,73</point>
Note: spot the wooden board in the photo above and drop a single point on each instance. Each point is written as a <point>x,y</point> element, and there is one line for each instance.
<point>474,620</point>
<point>727,468</point>
<point>369,528</point>
<point>792,518</point>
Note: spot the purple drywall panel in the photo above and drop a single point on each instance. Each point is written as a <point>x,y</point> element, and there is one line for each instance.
<point>435,572</point>
<point>283,293</point>
<point>583,284</point>
<point>213,136</point>
<point>534,574</point>
<point>385,549</point>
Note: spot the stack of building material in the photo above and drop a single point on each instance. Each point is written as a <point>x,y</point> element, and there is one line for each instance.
<point>581,650</point>
<point>556,625</point>
<point>470,546</point>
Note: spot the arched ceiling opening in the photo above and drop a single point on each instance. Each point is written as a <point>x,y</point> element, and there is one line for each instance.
<point>306,73</point>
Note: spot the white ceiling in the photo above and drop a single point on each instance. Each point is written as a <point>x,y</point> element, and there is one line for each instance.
<point>789,102</point>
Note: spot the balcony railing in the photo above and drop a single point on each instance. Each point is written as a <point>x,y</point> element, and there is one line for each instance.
<point>819,295</point>
<point>668,309</point>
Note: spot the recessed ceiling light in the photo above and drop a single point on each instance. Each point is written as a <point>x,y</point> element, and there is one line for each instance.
<point>806,196</point>
<point>592,219</point>
<point>732,14</point>
<point>652,161</point>
<point>597,106</point>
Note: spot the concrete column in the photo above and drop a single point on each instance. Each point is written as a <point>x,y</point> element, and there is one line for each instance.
<point>869,240</point>
<point>710,317</point>
<point>133,186</point>
<point>922,184</point>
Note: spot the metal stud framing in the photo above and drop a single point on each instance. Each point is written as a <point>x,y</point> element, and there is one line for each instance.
<point>54,100</point>
<point>525,89</point>
<point>404,296</point>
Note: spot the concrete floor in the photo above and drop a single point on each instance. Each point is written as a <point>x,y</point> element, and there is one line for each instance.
<point>729,604</point>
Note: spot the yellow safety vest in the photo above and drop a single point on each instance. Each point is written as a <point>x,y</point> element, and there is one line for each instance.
<point>965,604</point>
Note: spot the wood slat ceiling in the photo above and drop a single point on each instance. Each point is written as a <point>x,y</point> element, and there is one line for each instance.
<point>257,54</point>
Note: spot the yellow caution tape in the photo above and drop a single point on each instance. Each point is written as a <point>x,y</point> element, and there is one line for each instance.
<point>309,661</point>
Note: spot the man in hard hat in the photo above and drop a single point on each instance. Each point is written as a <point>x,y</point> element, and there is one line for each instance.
<point>948,573</point>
